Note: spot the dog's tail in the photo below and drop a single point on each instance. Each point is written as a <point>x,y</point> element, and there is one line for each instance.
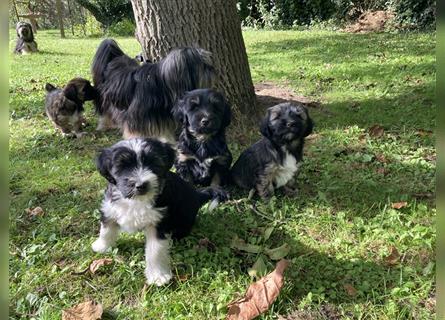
<point>108,50</point>
<point>215,194</point>
<point>49,87</point>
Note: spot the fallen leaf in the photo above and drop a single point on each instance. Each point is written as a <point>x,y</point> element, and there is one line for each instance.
<point>381,158</point>
<point>278,253</point>
<point>350,290</point>
<point>423,133</point>
<point>36,212</point>
<point>258,269</point>
<point>240,244</point>
<point>205,243</point>
<point>259,296</point>
<point>393,257</point>
<point>268,232</point>
<point>183,277</point>
<point>376,131</point>
<point>382,171</point>
<point>96,264</point>
<point>88,310</point>
<point>399,205</point>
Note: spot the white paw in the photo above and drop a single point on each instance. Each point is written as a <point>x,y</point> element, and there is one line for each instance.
<point>158,278</point>
<point>99,246</point>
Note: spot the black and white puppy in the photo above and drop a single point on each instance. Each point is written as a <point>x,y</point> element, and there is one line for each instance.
<point>273,162</point>
<point>64,107</point>
<point>143,195</point>
<point>139,98</point>
<point>25,39</point>
<point>203,155</point>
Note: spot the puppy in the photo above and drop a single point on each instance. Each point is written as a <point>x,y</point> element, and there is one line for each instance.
<point>64,107</point>
<point>203,155</point>
<point>139,98</point>
<point>143,195</point>
<point>25,39</point>
<point>273,162</point>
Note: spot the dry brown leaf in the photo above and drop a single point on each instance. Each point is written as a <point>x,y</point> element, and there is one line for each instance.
<point>350,290</point>
<point>381,158</point>
<point>382,171</point>
<point>423,133</point>
<point>393,257</point>
<point>376,131</point>
<point>205,243</point>
<point>259,296</point>
<point>399,205</point>
<point>88,310</point>
<point>36,212</point>
<point>96,264</point>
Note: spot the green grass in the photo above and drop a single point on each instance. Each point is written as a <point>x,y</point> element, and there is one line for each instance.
<point>340,228</point>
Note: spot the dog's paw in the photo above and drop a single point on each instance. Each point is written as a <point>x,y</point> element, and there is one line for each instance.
<point>158,278</point>
<point>100,246</point>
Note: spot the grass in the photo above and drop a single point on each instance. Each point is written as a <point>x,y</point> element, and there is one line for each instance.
<point>341,228</point>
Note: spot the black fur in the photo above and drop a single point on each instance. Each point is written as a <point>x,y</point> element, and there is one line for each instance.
<point>203,155</point>
<point>180,199</point>
<point>139,98</point>
<point>261,166</point>
<point>25,39</point>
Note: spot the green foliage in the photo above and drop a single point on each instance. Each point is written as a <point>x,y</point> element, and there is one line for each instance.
<point>125,27</point>
<point>279,14</point>
<point>339,228</point>
<point>108,12</point>
<point>416,14</point>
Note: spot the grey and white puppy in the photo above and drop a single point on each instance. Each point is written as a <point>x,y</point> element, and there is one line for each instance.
<point>143,195</point>
<point>273,162</point>
<point>25,39</point>
<point>64,107</point>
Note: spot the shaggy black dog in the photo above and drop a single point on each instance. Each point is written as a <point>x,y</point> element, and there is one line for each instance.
<point>143,195</point>
<point>139,98</point>
<point>25,39</point>
<point>273,161</point>
<point>203,155</point>
<point>64,107</point>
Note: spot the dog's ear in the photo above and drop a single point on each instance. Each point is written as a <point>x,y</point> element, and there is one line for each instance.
<point>70,92</point>
<point>49,87</point>
<point>264,126</point>
<point>104,164</point>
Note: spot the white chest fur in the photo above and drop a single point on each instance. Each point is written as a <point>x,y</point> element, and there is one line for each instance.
<point>131,214</point>
<point>287,170</point>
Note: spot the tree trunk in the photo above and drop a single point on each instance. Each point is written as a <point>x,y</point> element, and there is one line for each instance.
<point>210,24</point>
<point>60,17</point>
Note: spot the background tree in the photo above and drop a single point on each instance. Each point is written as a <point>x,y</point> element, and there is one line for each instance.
<point>108,12</point>
<point>211,24</point>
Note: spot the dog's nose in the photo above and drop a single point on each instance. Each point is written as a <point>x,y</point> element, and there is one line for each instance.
<point>205,121</point>
<point>141,187</point>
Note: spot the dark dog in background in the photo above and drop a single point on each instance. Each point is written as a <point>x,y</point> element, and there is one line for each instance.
<point>64,107</point>
<point>273,162</point>
<point>25,39</point>
<point>203,155</point>
<point>143,195</point>
<point>139,97</point>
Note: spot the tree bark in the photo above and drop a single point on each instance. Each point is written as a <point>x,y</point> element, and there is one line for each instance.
<point>210,24</point>
<point>60,17</point>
